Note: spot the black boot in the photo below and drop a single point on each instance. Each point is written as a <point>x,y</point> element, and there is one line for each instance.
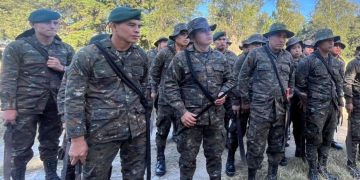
<point>175,137</point>
<point>160,164</point>
<point>272,172</point>
<point>297,152</point>
<point>337,145</point>
<point>230,167</point>
<point>352,168</point>
<point>283,161</point>
<point>252,173</point>
<point>50,170</point>
<point>323,170</point>
<point>18,173</point>
<point>313,172</point>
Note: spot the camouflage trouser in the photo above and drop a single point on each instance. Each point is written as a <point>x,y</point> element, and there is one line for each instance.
<point>228,114</point>
<point>101,156</point>
<point>320,127</point>
<point>354,126</point>
<point>296,116</point>
<point>24,132</point>
<point>243,117</point>
<point>70,170</point>
<point>165,116</point>
<point>264,128</point>
<point>213,137</point>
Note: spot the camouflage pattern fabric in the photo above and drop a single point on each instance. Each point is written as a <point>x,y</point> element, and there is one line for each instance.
<point>236,71</point>
<point>267,116</point>
<point>165,116</point>
<point>181,92</point>
<point>151,54</point>
<point>323,96</point>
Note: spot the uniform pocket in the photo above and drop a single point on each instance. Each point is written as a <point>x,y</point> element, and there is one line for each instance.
<point>104,114</point>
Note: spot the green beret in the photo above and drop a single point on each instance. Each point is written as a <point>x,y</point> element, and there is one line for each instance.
<point>219,34</point>
<point>121,14</point>
<point>98,37</point>
<point>43,15</point>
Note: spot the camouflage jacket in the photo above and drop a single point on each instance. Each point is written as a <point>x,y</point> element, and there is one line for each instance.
<point>230,58</point>
<point>151,54</point>
<point>26,81</point>
<point>182,93</point>
<point>352,80</point>
<point>98,104</point>
<point>236,71</point>
<point>265,85</point>
<point>158,70</point>
<point>60,102</point>
<point>342,66</point>
<point>313,78</point>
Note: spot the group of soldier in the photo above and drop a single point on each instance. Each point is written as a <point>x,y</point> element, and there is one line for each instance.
<point>103,96</point>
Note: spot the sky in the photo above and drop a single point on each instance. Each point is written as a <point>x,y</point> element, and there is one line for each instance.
<point>269,7</point>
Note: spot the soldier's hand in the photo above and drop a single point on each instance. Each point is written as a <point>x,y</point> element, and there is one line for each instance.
<point>55,64</point>
<point>236,109</point>
<point>303,98</point>
<point>188,119</point>
<point>221,101</point>
<point>245,107</point>
<point>349,108</point>
<point>9,116</point>
<point>153,95</point>
<point>78,150</point>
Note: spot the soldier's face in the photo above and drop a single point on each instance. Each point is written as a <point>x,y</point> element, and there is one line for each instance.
<point>220,43</point>
<point>336,49</point>
<point>128,31</point>
<point>162,44</point>
<point>182,38</point>
<point>245,50</point>
<point>204,36</point>
<point>309,49</point>
<point>46,28</point>
<point>254,45</point>
<point>326,45</point>
<point>277,41</point>
<point>296,50</point>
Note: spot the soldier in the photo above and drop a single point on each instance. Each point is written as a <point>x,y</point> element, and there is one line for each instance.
<point>294,47</point>
<point>103,111</point>
<point>160,44</point>
<point>352,96</point>
<point>308,47</point>
<point>166,114</point>
<point>318,76</point>
<point>244,48</point>
<point>228,43</point>
<point>70,170</point>
<point>188,97</point>
<point>29,86</point>
<point>268,100</point>
<point>170,42</point>
<point>220,42</point>
<point>254,41</point>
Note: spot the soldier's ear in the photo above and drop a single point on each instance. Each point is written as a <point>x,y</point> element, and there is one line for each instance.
<point>32,24</point>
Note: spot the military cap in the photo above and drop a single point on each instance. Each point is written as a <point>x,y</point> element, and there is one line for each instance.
<point>342,45</point>
<point>255,38</point>
<point>98,37</point>
<point>177,29</point>
<point>162,38</point>
<point>279,27</point>
<point>43,15</point>
<point>219,34</point>
<point>324,34</point>
<point>309,43</point>
<point>228,41</point>
<point>293,41</point>
<point>199,23</point>
<point>245,44</point>
<point>121,14</point>
<point>170,41</point>
<point>358,48</point>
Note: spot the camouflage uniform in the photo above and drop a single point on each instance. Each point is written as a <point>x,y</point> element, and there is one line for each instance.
<point>323,97</point>
<point>182,93</point>
<point>151,54</point>
<point>352,96</point>
<point>307,43</point>
<point>29,87</point>
<point>99,106</point>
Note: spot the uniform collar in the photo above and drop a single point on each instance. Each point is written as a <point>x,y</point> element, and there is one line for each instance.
<point>193,49</point>
<point>107,44</point>
<point>56,41</point>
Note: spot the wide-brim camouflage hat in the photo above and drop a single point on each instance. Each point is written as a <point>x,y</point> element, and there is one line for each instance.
<point>293,41</point>
<point>162,38</point>
<point>309,42</point>
<point>199,23</point>
<point>324,34</point>
<point>255,38</point>
<point>177,29</point>
<point>245,44</point>
<point>339,42</point>
<point>279,27</point>
<point>228,41</point>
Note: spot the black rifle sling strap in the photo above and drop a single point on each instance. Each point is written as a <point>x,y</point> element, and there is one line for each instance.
<point>283,91</point>
<point>143,101</point>
<point>188,60</point>
<point>42,51</point>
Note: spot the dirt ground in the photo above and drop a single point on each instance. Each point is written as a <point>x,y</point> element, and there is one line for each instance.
<point>295,170</point>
